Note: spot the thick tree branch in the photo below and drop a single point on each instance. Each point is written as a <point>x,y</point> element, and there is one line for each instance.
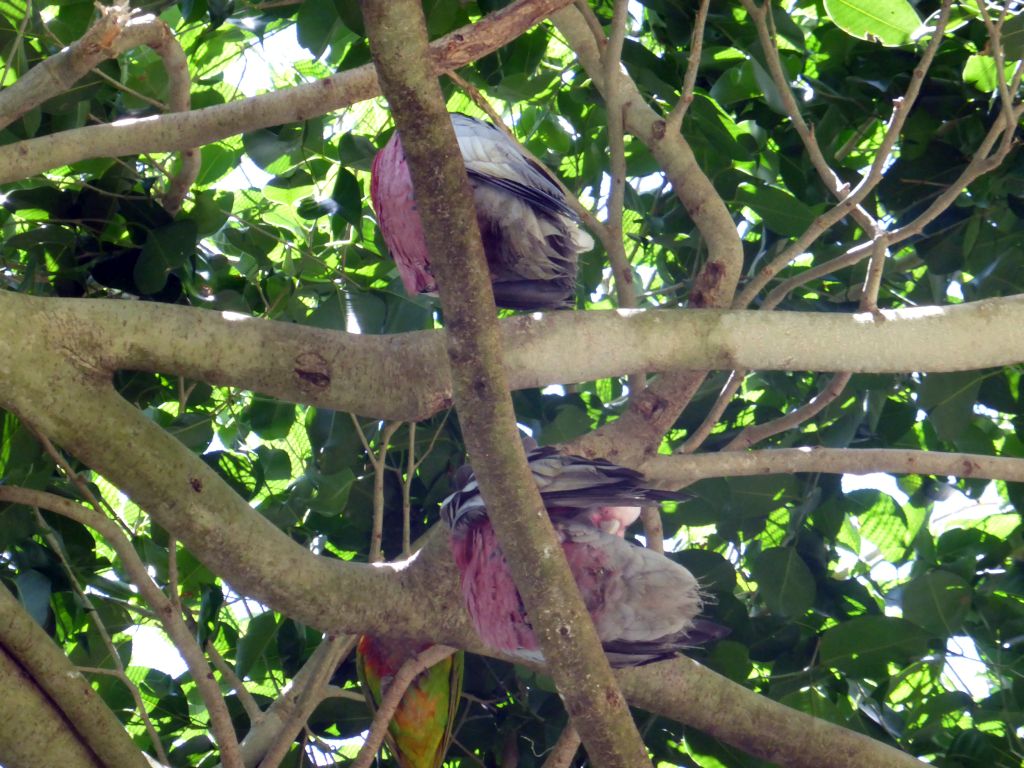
<point>183,130</point>
<point>755,724</point>
<point>165,608</point>
<point>27,650</point>
<point>400,376</point>
<point>566,635</point>
<point>192,502</point>
<point>25,710</point>
<point>565,749</point>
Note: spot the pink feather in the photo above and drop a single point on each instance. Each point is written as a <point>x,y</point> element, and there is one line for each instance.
<point>531,236</point>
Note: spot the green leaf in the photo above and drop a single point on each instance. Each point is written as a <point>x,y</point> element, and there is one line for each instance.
<point>253,643</point>
<point>209,613</point>
<point>948,399</point>
<point>349,197</point>
<point>333,490</point>
<point>1013,37</point>
<point>211,211</point>
<point>34,591</point>
<point>316,24</point>
<point>277,464</point>
<point>864,646</point>
<point>165,249</point>
<point>881,521</point>
<point>714,572</point>
<point>781,212</point>
<point>937,601</point>
<point>274,151</point>
<point>271,419</point>
<point>890,22</point>
<point>784,581</point>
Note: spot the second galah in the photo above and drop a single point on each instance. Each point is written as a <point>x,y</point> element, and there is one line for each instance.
<point>531,236</point>
<point>645,606</point>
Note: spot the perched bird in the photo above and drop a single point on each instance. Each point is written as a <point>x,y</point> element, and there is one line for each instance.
<point>421,728</point>
<point>643,604</point>
<point>531,236</point>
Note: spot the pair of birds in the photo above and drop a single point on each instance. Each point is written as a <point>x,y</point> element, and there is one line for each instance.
<point>530,234</point>
<point>645,606</point>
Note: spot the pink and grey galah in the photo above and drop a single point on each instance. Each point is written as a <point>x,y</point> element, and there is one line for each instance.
<point>531,236</point>
<point>645,606</point>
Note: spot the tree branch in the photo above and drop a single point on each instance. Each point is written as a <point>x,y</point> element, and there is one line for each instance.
<point>565,749</point>
<point>278,725</point>
<point>652,411</point>
<point>308,689</point>
<point>674,122</point>
<point>183,130</point>
<point>398,42</point>
<point>678,470</point>
<point>26,709</point>
<point>25,649</point>
<point>400,376</point>
<point>165,608</point>
<point>684,690</point>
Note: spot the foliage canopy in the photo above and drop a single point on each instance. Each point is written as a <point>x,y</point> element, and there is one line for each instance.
<point>893,610</point>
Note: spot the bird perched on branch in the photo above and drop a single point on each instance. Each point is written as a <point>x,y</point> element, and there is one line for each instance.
<point>421,728</point>
<point>643,604</point>
<point>531,236</point>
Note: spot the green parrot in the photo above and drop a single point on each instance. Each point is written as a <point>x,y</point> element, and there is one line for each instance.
<point>421,728</point>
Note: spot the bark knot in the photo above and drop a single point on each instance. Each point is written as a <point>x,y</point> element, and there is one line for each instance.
<point>311,369</point>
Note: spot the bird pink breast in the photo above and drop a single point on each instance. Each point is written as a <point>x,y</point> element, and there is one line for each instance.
<point>400,225</point>
<point>490,594</point>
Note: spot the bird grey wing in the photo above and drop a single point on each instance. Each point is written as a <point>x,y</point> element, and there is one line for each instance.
<point>534,294</point>
<point>647,597</point>
<point>574,481</point>
<point>492,158</point>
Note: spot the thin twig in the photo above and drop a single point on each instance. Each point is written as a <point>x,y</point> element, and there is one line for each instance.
<point>410,472</point>
<point>794,418</point>
<point>674,121</point>
<point>309,697</point>
<point>901,110</point>
<point>873,278</point>
<point>80,484</point>
<point>654,531</point>
<point>17,41</point>
<point>565,748</point>
<point>980,164</point>
<point>765,24</point>
<point>732,386</point>
<point>612,61</point>
<point>377,461</point>
<point>592,21</point>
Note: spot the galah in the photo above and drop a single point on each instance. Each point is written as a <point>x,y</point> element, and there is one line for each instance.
<point>643,605</point>
<point>531,236</point>
<point>421,728</point>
